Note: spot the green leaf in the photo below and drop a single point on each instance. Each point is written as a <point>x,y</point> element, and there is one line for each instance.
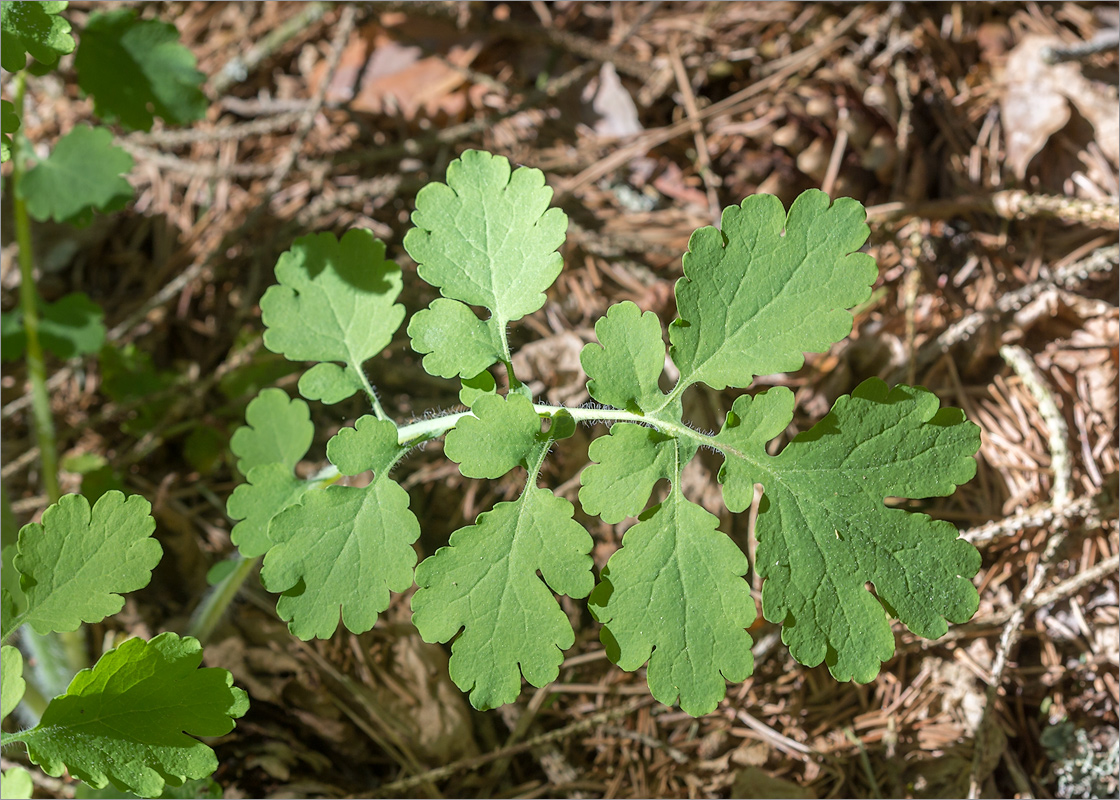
<point>278,430</point>
<point>824,530</point>
<point>277,436</point>
<point>370,445</point>
<point>499,437</point>
<point>135,70</point>
<point>69,327</point>
<point>624,368</point>
<point>674,590</point>
<point>335,302</point>
<point>455,342</point>
<point>12,684</point>
<point>129,376</point>
<point>630,461</point>
<point>17,784</point>
<point>34,28</point>
<point>270,489</point>
<point>9,124</point>
<point>76,562</point>
<point>342,550</point>
<point>486,238</point>
<point>83,174</point>
<point>485,584</point>
<point>476,387</point>
<point>130,719</point>
<point>768,287</point>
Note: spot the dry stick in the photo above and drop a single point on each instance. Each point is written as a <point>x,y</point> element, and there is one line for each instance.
<point>1013,204</point>
<point>703,157</point>
<point>1069,276</point>
<point>805,58</point>
<point>1058,440</point>
<point>239,130</point>
<point>399,788</point>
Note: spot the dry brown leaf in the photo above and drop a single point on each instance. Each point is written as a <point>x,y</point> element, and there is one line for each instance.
<point>1036,99</point>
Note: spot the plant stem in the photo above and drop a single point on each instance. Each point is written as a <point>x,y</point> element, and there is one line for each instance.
<point>29,303</point>
<point>213,607</point>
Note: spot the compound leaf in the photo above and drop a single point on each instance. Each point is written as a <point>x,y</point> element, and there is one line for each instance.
<point>824,530</point>
<point>768,287</point>
<point>12,684</point>
<point>35,28</point>
<point>278,430</point>
<point>342,550</point>
<point>129,720</point>
<point>336,301</point>
<point>69,327</point>
<point>486,238</point>
<point>84,173</point>
<point>9,124</point>
<point>75,563</point>
<point>136,69</point>
<point>631,459</point>
<point>485,584</point>
<point>675,590</point>
<point>624,367</point>
<point>500,435</point>
<point>453,340</point>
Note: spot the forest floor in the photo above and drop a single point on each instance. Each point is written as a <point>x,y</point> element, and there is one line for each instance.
<point>994,228</point>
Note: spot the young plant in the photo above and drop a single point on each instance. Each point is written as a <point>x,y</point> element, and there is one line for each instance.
<point>129,720</point>
<point>756,295</point>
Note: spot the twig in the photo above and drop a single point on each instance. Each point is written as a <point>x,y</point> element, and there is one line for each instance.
<point>1038,516</point>
<point>1069,276</point>
<point>648,741</point>
<point>401,787</point>
<point>703,157</point>
<point>1023,364</point>
<point>783,743</point>
<point>1010,204</point>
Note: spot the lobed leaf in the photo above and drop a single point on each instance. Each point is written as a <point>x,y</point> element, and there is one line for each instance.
<point>631,459</point>
<point>370,445</point>
<point>136,69</point>
<point>340,552</point>
<point>75,564</point>
<point>485,584</point>
<point>673,595</point>
<point>335,302</point>
<point>824,530</point>
<point>84,173</point>
<point>768,287</point>
<point>623,369</point>
<point>278,430</point>
<point>500,436</point>
<point>485,238</point>
<point>129,720</point>
<point>69,327</point>
<point>33,28</point>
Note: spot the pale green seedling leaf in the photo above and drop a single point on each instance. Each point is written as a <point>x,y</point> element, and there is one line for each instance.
<point>12,684</point>
<point>9,124</point>
<point>767,288</point>
<point>278,430</point>
<point>500,435</point>
<point>455,342</point>
<point>17,784</point>
<point>623,368</point>
<point>628,464</point>
<point>84,173</point>
<point>824,530</point>
<point>485,584</point>
<point>673,595</point>
<point>335,302</point>
<point>35,28</point>
<point>136,69</point>
<point>69,327</point>
<point>76,563</point>
<point>486,238</point>
<point>130,720</point>
<point>342,550</point>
